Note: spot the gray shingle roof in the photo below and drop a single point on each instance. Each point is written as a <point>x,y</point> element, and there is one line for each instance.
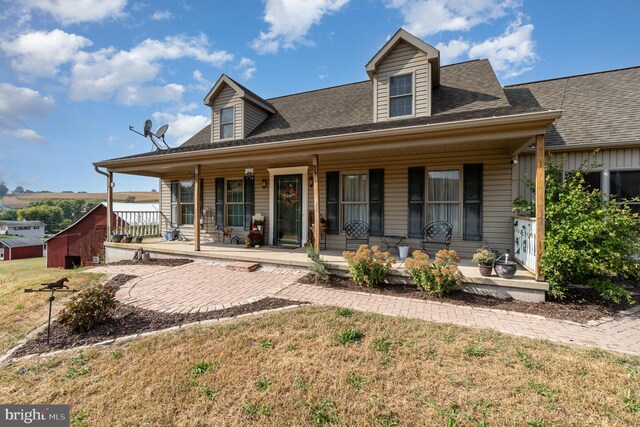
<point>20,242</point>
<point>600,108</point>
<point>22,223</point>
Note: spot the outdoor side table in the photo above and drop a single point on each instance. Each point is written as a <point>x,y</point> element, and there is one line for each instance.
<point>388,241</point>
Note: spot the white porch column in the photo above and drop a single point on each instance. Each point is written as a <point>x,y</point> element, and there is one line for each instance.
<point>540,203</point>
<point>316,205</point>
<point>110,185</point>
<point>197,208</point>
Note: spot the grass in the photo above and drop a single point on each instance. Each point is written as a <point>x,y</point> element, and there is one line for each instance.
<point>21,312</point>
<point>427,380</point>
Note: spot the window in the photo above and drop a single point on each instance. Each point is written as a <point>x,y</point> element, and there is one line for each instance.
<point>401,95</point>
<point>182,207</point>
<point>443,197</point>
<point>354,198</point>
<point>235,205</point>
<point>625,185</point>
<point>226,123</point>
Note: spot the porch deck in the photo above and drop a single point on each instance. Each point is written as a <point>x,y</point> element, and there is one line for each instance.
<point>522,287</point>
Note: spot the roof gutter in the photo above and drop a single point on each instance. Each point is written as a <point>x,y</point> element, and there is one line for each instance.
<point>549,115</point>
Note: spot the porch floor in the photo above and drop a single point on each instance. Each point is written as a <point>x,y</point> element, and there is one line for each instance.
<point>522,286</point>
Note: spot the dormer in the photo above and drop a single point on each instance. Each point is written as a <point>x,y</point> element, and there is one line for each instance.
<point>404,73</point>
<point>235,110</point>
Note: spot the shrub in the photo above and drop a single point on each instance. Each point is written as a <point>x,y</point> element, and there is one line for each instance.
<point>89,307</point>
<point>369,267</point>
<point>484,256</point>
<point>437,278</point>
<point>317,265</point>
<point>588,241</point>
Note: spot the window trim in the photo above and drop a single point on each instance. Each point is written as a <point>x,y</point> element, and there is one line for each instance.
<point>180,203</point>
<point>342,202</point>
<point>232,123</point>
<point>413,96</point>
<point>606,180</point>
<point>226,203</point>
<point>460,202</point>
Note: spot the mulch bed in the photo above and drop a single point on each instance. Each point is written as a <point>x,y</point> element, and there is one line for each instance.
<point>583,305</point>
<point>130,320</point>
<point>164,262</point>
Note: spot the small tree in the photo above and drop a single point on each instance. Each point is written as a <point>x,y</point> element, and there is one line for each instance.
<point>3,189</point>
<point>317,265</point>
<point>588,241</point>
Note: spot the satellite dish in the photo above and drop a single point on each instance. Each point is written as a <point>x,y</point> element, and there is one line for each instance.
<point>147,127</point>
<point>161,131</point>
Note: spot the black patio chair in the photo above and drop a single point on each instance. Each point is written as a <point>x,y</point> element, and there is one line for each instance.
<point>436,233</point>
<point>356,232</point>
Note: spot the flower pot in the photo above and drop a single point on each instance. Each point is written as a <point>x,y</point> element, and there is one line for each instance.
<point>404,251</point>
<point>506,269</point>
<point>116,238</point>
<point>126,239</point>
<point>137,239</point>
<point>485,270</point>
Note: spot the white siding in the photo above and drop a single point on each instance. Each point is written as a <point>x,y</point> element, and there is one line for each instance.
<point>253,116</point>
<point>403,59</point>
<point>227,98</point>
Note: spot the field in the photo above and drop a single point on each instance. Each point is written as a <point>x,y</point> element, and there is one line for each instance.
<point>21,200</point>
<point>315,366</point>
<point>21,312</point>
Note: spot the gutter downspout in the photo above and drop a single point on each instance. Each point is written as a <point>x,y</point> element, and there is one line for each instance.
<point>109,176</point>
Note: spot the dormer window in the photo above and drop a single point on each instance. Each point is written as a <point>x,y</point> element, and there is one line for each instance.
<point>401,95</point>
<point>226,123</point>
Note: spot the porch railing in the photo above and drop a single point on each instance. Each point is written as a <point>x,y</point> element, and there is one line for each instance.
<point>135,223</point>
<point>524,241</point>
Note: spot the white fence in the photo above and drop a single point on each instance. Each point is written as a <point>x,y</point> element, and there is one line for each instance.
<point>137,223</point>
<point>524,241</point>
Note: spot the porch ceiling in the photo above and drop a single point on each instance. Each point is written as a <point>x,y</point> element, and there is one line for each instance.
<point>514,134</point>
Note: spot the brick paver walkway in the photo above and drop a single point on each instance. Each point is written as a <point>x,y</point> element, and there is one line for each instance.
<point>204,286</point>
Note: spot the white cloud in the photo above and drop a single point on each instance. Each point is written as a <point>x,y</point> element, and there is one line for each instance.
<point>107,72</point>
<point>290,20</point>
<point>247,68</point>
<point>426,17</point>
<point>511,53</point>
<point>181,126</point>
<point>147,95</point>
<point>76,11</point>
<point>40,53</point>
<point>161,15</point>
<point>452,50</point>
<point>17,104</point>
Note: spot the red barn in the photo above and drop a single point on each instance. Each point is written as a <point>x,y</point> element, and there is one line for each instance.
<point>20,247</point>
<point>79,243</point>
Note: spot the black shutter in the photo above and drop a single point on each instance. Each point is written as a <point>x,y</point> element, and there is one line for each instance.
<point>202,218</point>
<point>333,202</point>
<point>248,200</point>
<point>175,188</point>
<point>220,202</point>
<point>472,195</point>
<point>376,202</point>
<point>416,202</point>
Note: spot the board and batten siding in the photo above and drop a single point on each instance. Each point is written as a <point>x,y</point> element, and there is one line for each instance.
<point>253,116</point>
<point>227,98</point>
<point>612,159</point>
<point>403,59</point>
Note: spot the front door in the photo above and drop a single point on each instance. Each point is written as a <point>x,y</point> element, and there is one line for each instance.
<point>288,210</point>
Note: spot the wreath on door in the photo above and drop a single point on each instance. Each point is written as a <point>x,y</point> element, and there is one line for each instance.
<point>289,196</point>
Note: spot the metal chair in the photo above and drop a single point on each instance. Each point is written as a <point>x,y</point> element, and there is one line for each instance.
<point>436,233</point>
<point>356,232</point>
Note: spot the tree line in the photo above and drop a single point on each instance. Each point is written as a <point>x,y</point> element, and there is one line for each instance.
<point>56,214</point>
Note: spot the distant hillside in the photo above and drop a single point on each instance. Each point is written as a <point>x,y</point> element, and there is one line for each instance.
<point>19,201</point>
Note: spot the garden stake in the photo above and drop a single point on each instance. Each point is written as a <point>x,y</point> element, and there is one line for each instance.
<point>53,288</point>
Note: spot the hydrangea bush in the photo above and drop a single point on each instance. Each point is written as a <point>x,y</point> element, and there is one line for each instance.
<point>369,267</point>
<point>437,278</point>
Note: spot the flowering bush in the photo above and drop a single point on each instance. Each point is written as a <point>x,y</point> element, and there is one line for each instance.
<point>254,238</point>
<point>89,307</point>
<point>258,218</point>
<point>369,267</point>
<point>437,278</point>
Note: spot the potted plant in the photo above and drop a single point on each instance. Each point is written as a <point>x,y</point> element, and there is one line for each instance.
<point>137,239</point>
<point>504,267</point>
<point>116,238</point>
<point>484,257</point>
<point>126,239</point>
<point>258,220</point>
<point>255,238</point>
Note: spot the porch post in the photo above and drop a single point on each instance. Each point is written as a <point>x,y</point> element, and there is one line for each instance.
<point>540,203</point>
<point>197,208</point>
<point>316,205</point>
<point>109,205</point>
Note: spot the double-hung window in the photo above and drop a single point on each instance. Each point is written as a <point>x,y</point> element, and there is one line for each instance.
<point>401,95</point>
<point>623,185</point>
<point>444,197</point>
<point>354,198</point>
<point>182,203</point>
<point>226,123</point>
<point>235,203</point>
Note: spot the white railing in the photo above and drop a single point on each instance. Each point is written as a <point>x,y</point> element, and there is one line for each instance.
<point>136,223</point>
<point>524,241</point>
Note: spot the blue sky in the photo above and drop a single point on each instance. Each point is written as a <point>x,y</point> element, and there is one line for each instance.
<point>75,74</point>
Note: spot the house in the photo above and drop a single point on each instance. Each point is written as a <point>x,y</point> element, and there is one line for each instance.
<point>83,241</point>
<point>12,248</point>
<point>416,142</point>
<point>22,228</point>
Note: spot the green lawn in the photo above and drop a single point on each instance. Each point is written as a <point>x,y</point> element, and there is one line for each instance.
<point>314,366</point>
<point>21,312</point>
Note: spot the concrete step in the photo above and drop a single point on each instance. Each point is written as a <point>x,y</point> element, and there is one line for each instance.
<point>243,266</point>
